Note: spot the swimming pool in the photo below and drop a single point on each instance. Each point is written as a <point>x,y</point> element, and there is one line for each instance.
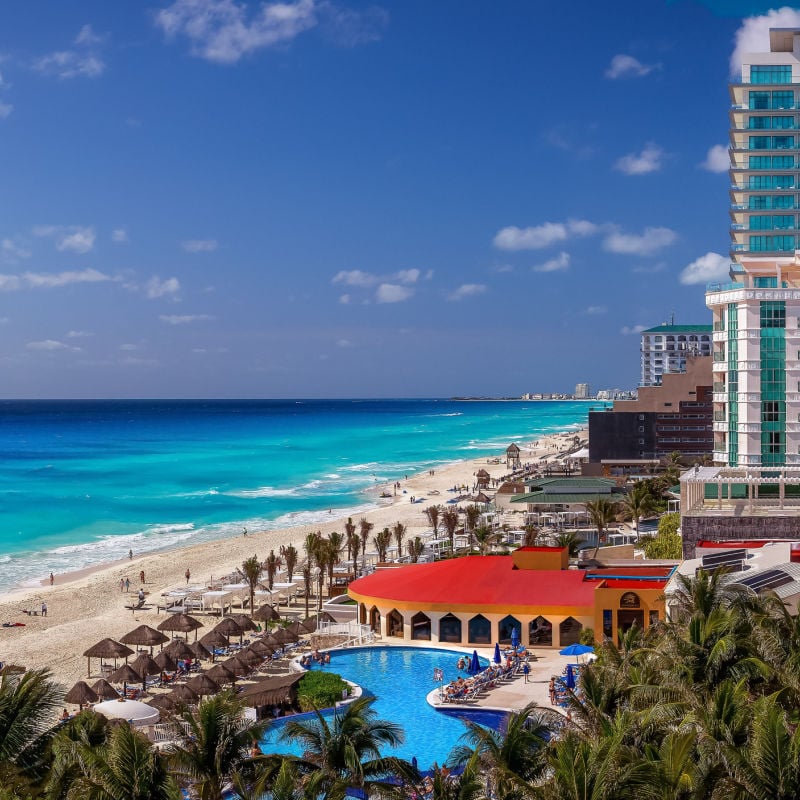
<point>400,678</point>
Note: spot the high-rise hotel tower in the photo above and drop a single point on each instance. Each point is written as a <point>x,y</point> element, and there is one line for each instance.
<point>756,317</point>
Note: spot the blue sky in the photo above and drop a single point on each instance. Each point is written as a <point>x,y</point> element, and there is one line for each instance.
<point>332,198</point>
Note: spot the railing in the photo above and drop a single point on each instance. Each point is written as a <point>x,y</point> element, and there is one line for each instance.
<point>719,326</point>
<point>719,356</point>
<point>718,387</point>
<point>724,287</point>
<point>353,632</point>
<point>720,416</point>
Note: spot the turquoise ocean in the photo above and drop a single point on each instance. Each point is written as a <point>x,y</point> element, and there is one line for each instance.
<point>82,482</point>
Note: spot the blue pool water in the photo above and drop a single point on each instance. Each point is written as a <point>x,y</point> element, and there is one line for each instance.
<point>400,678</point>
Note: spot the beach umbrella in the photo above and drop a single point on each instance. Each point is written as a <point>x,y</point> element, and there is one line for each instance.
<point>166,661</point>
<point>180,623</point>
<point>214,639</point>
<point>296,629</point>
<point>202,685</point>
<point>237,667</point>
<point>283,635</point>
<point>228,627</point>
<point>162,702</point>
<point>182,694</point>
<point>105,690</point>
<point>200,651</point>
<point>124,675</point>
<point>514,638</point>
<point>80,694</point>
<point>179,650</point>
<point>144,664</point>
<point>106,648</point>
<point>220,673</point>
<point>497,658</point>
<point>474,664</point>
<point>576,650</point>
<point>144,636</point>
<point>250,657</point>
<point>261,649</point>
<point>266,613</point>
<point>243,621</point>
<point>570,678</point>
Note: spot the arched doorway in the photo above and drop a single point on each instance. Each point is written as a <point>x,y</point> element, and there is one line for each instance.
<point>630,613</point>
<point>450,628</point>
<point>540,632</point>
<point>362,614</point>
<point>480,630</point>
<point>421,627</point>
<point>375,619</point>
<point>569,632</point>
<point>394,624</point>
<point>505,628</point>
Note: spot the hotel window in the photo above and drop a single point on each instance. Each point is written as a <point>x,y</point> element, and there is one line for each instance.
<point>770,411</point>
<point>761,162</point>
<point>782,99</point>
<point>783,162</point>
<point>759,142</point>
<point>770,73</point>
<point>761,222</point>
<point>759,123</point>
<point>783,222</point>
<point>759,101</point>
<point>765,283</point>
<point>783,142</point>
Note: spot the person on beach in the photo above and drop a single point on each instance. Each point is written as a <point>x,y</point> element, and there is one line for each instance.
<point>52,579</point>
<point>526,670</point>
<point>141,595</point>
<point>130,555</point>
<point>44,609</point>
<point>552,690</point>
<point>127,584</point>
<point>141,577</point>
<point>188,575</point>
<point>122,584</point>
<point>244,531</point>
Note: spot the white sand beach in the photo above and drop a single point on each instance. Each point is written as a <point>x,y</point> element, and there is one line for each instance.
<point>86,606</point>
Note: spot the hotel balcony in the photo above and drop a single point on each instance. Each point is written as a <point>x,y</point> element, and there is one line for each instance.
<point>720,427</point>
<point>720,455</point>
<point>792,427</point>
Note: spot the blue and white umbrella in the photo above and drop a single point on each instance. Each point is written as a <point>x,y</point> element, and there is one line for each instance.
<point>497,658</point>
<point>474,664</point>
<point>576,650</point>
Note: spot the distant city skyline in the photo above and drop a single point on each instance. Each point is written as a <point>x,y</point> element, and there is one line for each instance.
<point>219,198</point>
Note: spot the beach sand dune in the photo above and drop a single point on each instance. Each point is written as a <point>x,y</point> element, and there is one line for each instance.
<point>86,606</point>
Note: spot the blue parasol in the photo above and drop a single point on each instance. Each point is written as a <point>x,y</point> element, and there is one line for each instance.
<point>474,664</point>
<point>570,680</point>
<point>497,658</point>
<point>514,638</point>
<point>576,650</point>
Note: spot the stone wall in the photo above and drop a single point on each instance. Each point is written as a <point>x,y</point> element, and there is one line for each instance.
<point>720,529</point>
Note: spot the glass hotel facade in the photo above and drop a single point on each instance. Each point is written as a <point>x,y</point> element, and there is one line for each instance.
<point>756,317</point>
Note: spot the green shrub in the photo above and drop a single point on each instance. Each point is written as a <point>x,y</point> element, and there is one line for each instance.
<point>587,637</point>
<point>320,690</point>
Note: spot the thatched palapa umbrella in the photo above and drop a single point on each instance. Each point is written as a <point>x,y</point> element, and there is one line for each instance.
<point>182,694</point>
<point>181,623</point>
<point>297,629</point>
<point>144,636</point>
<point>283,635</point>
<point>124,675</point>
<point>221,674</point>
<point>229,627</point>
<point>249,657</point>
<point>202,684</point>
<point>214,639</point>
<point>105,690</point>
<point>166,661</point>
<point>162,702</point>
<point>261,649</point>
<point>200,651</point>
<point>145,665</point>
<point>106,648</point>
<point>80,694</point>
<point>178,649</point>
<point>266,613</point>
<point>244,622</point>
<point>237,667</point>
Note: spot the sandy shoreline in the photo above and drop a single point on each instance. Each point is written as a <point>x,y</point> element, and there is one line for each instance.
<point>87,605</point>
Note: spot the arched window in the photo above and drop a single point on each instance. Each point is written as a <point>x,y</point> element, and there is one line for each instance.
<point>449,628</point>
<point>394,623</point>
<point>421,627</point>
<point>480,630</point>
<point>505,628</point>
<point>629,600</point>
<point>375,619</point>
<point>569,632</point>
<point>540,632</point>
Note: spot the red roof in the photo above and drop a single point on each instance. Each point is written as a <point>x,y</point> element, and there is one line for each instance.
<point>621,583</point>
<point>479,581</point>
<point>539,549</point>
<point>631,572</point>
<point>749,544</point>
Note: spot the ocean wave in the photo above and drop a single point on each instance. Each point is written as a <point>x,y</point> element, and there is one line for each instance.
<point>176,528</point>
<point>370,466</point>
<point>448,414</point>
<point>263,491</point>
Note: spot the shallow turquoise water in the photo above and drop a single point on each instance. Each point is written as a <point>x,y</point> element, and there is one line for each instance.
<point>81,482</point>
<point>400,678</point>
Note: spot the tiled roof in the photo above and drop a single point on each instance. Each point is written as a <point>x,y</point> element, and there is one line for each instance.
<point>679,329</point>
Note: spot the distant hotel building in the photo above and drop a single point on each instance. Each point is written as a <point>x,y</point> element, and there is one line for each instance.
<point>582,391</point>
<point>665,348</point>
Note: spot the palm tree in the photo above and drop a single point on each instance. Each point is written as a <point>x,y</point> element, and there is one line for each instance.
<point>28,702</point>
<point>125,766</point>
<point>570,540</point>
<point>251,569</point>
<point>472,515</point>
<point>444,785</point>
<point>510,761</point>
<point>273,565</point>
<point>415,548</point>
<point>345,750</point>
<point>334,544</point>
<point>433,515</point>
<point>290,556</point>
<point>306,571</point>
<point>531,536</point>
<point>349,532</point>
<point>220,738</point>
<point>365,528</point>
<point>382,540</point>
<point>450,522</point>
<point>355,544</point>
<point>484,537</point>
<point>602,513</point>
<point>637,503</point>
<point>399,532</point>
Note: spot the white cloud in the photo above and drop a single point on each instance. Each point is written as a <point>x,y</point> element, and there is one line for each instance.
<point>129,348</point>
<point>74,238</point>
<point>225,30</point>
<point>79,335</point>
<point>408,275</point>
<point>710,267</point>
<point>184,319</point>
<point>86,36</point>
<point>11,252</point>
<point>629,330</point>
<point>120,236</point>
<point>200,245</point>
<point>501,268</point>
<point>597,310</point>
<point>50,280</point>
<point>392,293</point>
<point>644,244</point>
<point>539,236</point>
<point>344,299</point>
<point>557,264</point>
<point>5,110</point>
<point>155,287</point>
<point>344,343</point>
<point>349,28</point>
<point>51,345</point>
<point>355,277</point>
<point>624,66</point>
<point>753,34</point>
<point>70,64</point>
<point>649,160</point>
<point>466,290</point>
<point>717,159</point>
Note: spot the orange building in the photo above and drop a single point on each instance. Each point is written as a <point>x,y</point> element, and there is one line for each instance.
<point>479,600</point>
